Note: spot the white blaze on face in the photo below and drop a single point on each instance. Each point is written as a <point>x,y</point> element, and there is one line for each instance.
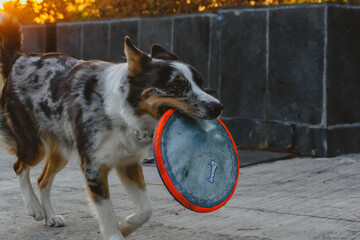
<point>201,95</point>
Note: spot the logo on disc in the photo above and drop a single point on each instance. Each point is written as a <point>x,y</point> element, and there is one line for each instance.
<point>212,172</point>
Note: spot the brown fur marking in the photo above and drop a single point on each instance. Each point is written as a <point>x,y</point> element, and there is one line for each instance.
<point>134,173</point>
<point>19,166</point>
<point>135,58</point>
<point>103,178</point>
<point>126,232</point>
<point>54,163</point>
<point>152,104</point>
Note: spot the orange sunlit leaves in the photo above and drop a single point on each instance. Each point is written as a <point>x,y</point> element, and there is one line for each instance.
<point>21,1</point>
<point>49,11</point>
<point>37,20</point>
<point>2,2</point>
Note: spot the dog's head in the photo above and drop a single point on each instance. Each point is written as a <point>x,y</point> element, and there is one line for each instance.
<point>161,81</point>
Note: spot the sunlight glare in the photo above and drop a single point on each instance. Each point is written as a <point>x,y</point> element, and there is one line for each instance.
<point>21,1</point>
<point>1,3</point>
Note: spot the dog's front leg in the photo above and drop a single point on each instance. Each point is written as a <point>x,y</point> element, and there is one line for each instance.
<point>133,181</point>
<point>98,188</point>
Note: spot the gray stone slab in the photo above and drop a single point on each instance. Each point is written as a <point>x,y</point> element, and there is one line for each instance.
<point>118,30</point>
<point>243,63</point>
<point>343,140</point>
<point>279,135</point>
<point>311,141</point>
<point>245,132</point>
<point>302,139</point>
<point>34,38</point>
<point>69,37</point>
<point>343,71</point>
<point>96,40</point>
<point>156,30</point>
<point>192,42</point>
<point>296,54</point>
<point>50,37</point>
<point>212,82</point>
<point>261,134</point>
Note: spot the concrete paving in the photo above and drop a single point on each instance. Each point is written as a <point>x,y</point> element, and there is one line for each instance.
<point>301,198</point>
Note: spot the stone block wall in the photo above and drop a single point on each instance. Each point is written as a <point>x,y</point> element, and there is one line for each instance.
<point>288,75</point>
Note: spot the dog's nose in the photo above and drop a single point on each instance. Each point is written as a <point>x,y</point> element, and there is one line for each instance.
<point>215,109</point>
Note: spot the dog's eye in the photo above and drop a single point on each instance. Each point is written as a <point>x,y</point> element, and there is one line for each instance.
<point>178,87</point>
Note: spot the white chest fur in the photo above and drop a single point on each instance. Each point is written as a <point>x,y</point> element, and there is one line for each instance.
<point>122,144</point>
<point>118,147</point>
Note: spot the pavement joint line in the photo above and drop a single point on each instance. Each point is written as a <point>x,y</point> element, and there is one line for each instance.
<point>295,214</point>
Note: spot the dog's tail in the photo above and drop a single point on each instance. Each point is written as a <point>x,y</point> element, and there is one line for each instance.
<point>10,44</point>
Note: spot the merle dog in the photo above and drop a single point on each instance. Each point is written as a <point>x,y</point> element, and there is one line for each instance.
<point>100,113</point>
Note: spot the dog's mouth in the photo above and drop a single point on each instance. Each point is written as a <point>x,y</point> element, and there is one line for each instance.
<point>209,116</point>
<point>163,109</point>
<point>212,111</point>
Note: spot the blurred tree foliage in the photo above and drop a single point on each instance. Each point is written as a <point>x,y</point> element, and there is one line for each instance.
<point>49,11</point>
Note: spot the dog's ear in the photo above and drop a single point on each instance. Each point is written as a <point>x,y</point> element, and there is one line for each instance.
<point>136,59</point>
<point>159,52</point>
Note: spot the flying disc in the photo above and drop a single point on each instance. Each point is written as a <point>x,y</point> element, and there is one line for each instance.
<point>197,160</point>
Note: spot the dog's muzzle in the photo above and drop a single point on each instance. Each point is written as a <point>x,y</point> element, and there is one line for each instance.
<point>214,111</point>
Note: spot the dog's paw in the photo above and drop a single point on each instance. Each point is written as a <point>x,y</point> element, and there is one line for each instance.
<point>35,210</point>
<point>55,221</point>
<point>117,236</point>
<point>125,228</point>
